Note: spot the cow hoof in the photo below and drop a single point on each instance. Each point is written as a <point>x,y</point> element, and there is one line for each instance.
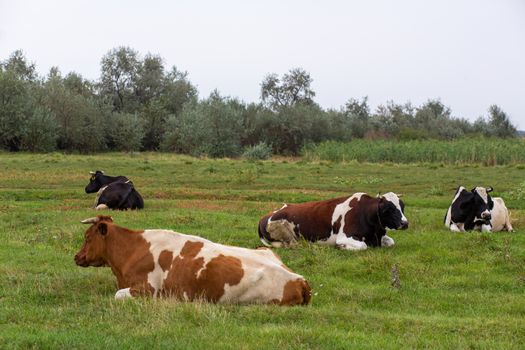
<point>123,294</point>
<point>387,241</point>
<point>486,228</point>
<point>454,228</point>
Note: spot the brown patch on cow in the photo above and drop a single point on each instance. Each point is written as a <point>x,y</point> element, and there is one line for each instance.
<point>165,259</point>
<point>182,281</point>
<point>191,249</point>
<point>337,225</point>
<point>296,292</point>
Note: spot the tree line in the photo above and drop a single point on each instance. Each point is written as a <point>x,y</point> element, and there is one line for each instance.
<point>140,104</point>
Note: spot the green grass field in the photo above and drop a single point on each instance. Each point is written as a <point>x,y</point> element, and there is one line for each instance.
<point>457,290</point>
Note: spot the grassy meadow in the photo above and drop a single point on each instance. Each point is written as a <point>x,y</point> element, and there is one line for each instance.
<point>457,290</point>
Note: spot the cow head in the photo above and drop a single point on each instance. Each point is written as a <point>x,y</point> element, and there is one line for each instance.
<point>95,182</point>
<point>482,204</point>
<point>391,212</point>
<point>93,250</point>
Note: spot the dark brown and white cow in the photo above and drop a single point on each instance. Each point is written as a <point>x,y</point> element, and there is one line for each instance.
<point>477,210</point>
<point>170,264</point>
<point>353,223</point>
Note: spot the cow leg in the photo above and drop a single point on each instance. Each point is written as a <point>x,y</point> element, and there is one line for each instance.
<point>387,241</point>
<point>133,292</point>
<point>486,228</point>
<point>349,243</point>
<point>454,227</point>
<point>123,294</point>
<point>508,225</point>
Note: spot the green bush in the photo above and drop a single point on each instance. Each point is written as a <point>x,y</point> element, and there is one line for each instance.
<point>260,151</point>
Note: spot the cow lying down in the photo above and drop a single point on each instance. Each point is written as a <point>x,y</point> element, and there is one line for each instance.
<point>170,264</point>
<point>352,223</point>
<point>477,210</point>
<point>113,192</point>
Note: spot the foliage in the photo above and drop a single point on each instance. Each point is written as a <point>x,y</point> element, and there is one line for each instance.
<point>210,127</point>
<point>294,87</point>
<point>127,132</point>
<point>73,114</point>
<point>41,132</point>
<point>260,151</point>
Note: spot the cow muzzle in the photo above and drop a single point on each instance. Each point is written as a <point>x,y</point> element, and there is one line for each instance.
<point>486,216</point>
<point>404,225</point>
<point>80,260</point>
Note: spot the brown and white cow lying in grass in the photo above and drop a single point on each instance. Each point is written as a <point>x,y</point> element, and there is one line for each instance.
<point>171,264</point>
<point>352,223</point>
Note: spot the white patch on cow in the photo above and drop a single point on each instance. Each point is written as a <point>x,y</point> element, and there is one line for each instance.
<point>342,209</point>
<point>348,243</point>
<point>339,213</point>
<point>482,191</point>
<point>99,193</point>
<point>448,218</point>
<point>160,240</point>
<point>486,228</point>
<point>123,294</point>
<point>101,207</point>
<point>387,241</point>
<point>330,241</point>
<point>394,199</point>
<point>500,219</point>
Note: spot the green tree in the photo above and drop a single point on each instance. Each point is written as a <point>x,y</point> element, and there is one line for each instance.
<point>358,114</point>
<point>294,87</point>
<point>120,68</point>
<point>127,132</point>
<point>212,127</point>
<point>40,132</point>
<point>499,123</point>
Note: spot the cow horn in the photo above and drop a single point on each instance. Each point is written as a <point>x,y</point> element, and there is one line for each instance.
<point>378,195</point>
<point>489,189</point>
<point>91,220</point>
<point>92,172</point>
<point>399,195</point>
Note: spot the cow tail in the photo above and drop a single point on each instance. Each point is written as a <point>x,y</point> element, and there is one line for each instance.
<point>262,232</point>
<point>307,293</point>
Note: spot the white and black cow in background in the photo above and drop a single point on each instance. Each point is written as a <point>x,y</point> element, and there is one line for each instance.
<point>352,223</point>
<point>113,192</point>
<point>477,210</point>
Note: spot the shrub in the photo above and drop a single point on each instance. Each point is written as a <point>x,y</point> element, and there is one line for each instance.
<point>260,151</point>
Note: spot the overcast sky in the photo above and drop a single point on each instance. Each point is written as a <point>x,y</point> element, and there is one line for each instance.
<point>470,54</point>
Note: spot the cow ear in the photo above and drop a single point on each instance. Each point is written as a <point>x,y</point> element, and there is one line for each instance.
<point>489,189</point>
<point>102,228</point>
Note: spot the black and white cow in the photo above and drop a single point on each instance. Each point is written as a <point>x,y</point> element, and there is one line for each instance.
<point>477,210</point>
<point>352,223</point>
<point>114,192</point>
